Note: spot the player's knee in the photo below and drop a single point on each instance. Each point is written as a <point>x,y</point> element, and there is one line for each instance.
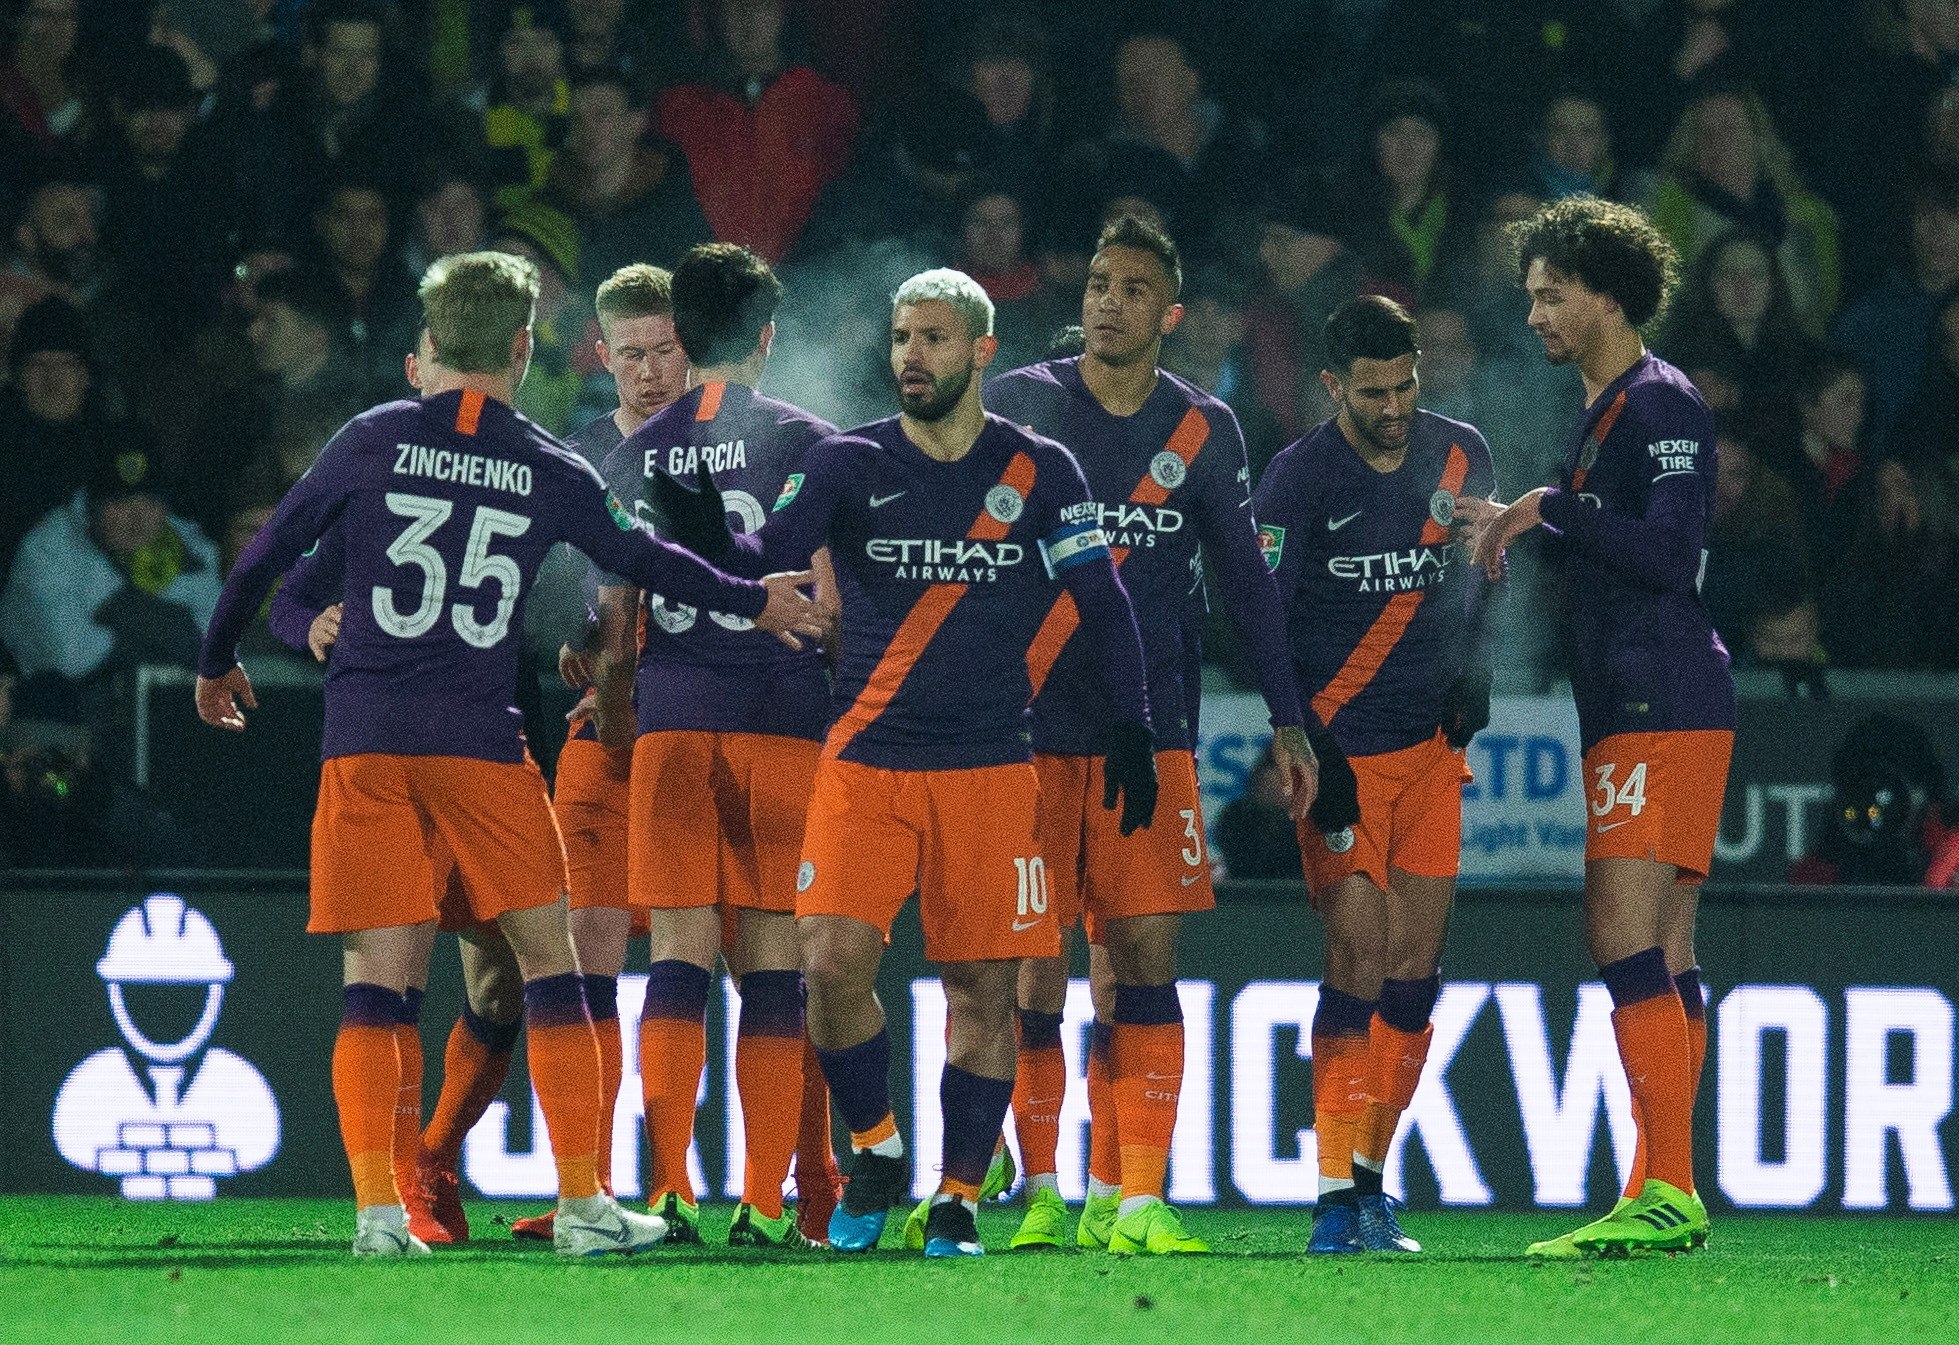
<point>834,960</point>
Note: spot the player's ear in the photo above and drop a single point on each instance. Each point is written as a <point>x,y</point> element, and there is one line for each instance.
<point>412,368</point>
<point>520,347</point>
<point>1331,384</point>
<point>604,353</point>
<point>984,349</point>
<point>767,340</point>
<point>1172,315</point>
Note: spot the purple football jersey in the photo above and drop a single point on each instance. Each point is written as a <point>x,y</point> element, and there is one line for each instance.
<point>1376,595</point>
<point>946,570</point>
<point>1167,480</point>
<point>710,671</point>
<point>447,507</point>
<point>1631,516</point>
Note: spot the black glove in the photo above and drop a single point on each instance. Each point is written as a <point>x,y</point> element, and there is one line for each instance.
<point>1129,771</point>
<point>1337,806</point>
<point>696,519</point>
<point>1465,709</point>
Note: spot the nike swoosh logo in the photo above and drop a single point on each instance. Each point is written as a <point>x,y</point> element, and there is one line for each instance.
<point>1022,925</point>
<point>1332,526</point>
<point>879,501</point>
<point>620,1234</point>
<point>1604,827</point>
<point>1160,1078</point>
<point>1193,878</point>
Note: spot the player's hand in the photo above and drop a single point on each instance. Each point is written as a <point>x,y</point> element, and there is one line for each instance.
<point>1299,770</point>
<point>578,667</point>
<point>215,703</point>
<point>588,705</point>
<point>1129,774</point>
<point>696,519</point>
<point>790,613</point>
<point>323,632</point>
<point>1337,806</point>
<point>1516,520</point>
<point>1465,709</point>
<point>1474,514</point>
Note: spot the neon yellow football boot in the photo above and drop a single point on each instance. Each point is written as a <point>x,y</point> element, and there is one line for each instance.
<point>1043,1224</point>
<point>1098,1222</point>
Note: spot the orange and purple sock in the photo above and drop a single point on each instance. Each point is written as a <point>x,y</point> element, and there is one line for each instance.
<point>816,1151</point>
<point>1146,1073</point>
<point>1104,1147</point>
<point>1040,1084</point>
<point>672,1054</point>
<point>367,1086</point>
<point>1341,1061</point>
<point>769,1075</point>
<point>1650,1023</point>
<point>407,1144</point>
<point>475,1063</point>
<point>974,1108</point>
<point>1398,1039</point>
<point>860,1082</point>
<point>564,1056</point>
<point>602,999</point>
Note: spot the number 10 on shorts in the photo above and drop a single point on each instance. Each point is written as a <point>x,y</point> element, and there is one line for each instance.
<point>1032,875</point>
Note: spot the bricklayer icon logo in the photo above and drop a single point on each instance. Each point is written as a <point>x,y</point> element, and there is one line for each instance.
<point>170,1132</point>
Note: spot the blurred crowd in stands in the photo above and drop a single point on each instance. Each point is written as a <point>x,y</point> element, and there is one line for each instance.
<point>217,211</point>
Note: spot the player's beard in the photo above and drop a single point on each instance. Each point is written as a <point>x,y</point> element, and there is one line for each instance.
<point>937,404</point>
<point>1371,432</point>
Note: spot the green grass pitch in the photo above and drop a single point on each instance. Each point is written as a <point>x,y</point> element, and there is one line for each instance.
<point>271,1272</point>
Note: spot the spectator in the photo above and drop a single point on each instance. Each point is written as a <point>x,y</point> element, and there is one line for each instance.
<point>1887,809</point>
<point>560,354</point>
<point>1406,218</point>
<point>49,426</point>
<point>1737,314</point>
<point>1256,835</point>
<point>1889,330</point>
<point>1891,599</point>
<point>1173,145</point>
<point>992,250</point>
<point>1754,547</point>
<point>529,106</point>
<point>1308,272</point>
<point>1208,348</point>
<point>1008,73</point>
<point>1726,168</point>
<point>55,250</point>
<point>1825,464</point>
<point>451,216</point>
<point>1574,151</point>
<point>598,37</point>
<point>1926,437</point>
<point>628,193</point>
<point>378,314</point>
<point>762,131</point>
<point>110,578</point>
<point>39,94</point>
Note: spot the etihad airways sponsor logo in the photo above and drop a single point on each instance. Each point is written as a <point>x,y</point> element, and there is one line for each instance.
<point>942,560</point>
<point>1138,525</point>
<point>1393,571</point>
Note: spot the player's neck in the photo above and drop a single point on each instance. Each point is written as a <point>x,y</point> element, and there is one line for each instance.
<point>953,435</point>
<point>1617,352</point>
<point>628,421</point>
<point>1122,388</point>
<point>747,373</point>
<point>497,387</point>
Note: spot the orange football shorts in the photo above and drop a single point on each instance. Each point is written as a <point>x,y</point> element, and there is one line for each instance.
<point>1097,873</point>
<point>1410,819</point>
<point>717,818</point>
<point>1658,796</point>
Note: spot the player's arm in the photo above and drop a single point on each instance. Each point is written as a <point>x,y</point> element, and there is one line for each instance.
<point>305,612</point>
<point>308,510</point>
<point>1251,603</point>
<point>1660,548</point>
<point>1076,552</point>
<point>615,652</point>
<point>600,527</point>
<point>1465,709</point>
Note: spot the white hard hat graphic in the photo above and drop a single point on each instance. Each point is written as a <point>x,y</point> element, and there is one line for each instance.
<point>164,941</point>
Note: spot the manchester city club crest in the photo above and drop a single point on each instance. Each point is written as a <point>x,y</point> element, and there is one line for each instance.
<point>1168,470</point>
<point>1442,508</point>
<point>805,876</point>
<point>1004,503</point>
<point>1341,841</point>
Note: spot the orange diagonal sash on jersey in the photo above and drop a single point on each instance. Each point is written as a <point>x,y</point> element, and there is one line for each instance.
<point>1186,441</point>
<point>1596,441</point>
<point>919,626</point>
<point>711,394</point>
<point>469,411</point>
<point>1392,624</point>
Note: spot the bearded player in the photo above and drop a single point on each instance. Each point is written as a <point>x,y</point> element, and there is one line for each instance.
<point>1166,465</point>
<point>1383,618</point>
<point>421,740</point>
<point>1656,702</point>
